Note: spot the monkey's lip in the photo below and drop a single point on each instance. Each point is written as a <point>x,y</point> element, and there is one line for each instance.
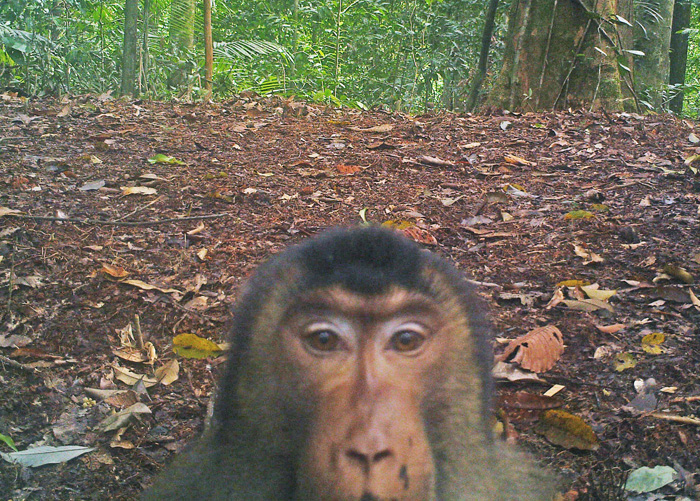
<point>368,496</point>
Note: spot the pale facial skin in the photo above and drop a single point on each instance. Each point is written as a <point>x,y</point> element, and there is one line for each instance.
<point>369,361</point>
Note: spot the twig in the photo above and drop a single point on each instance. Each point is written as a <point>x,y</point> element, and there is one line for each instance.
<point>677,419</point>
<point>139,334</point>
<point>15,363</point>
<point>116,223</point>
<point>142,208</point>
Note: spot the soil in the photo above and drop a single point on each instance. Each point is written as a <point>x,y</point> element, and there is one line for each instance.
<point>522,203</point>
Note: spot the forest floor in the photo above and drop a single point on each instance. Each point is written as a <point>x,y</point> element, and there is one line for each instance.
<point>92,234</point>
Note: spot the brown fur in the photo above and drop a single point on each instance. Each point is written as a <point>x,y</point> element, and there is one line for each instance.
<point>364,420</point>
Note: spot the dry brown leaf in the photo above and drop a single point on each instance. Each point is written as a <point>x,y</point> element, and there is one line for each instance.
<point>148,287</point>
<point>537,351</point>
<point>525,400</point>
<point>114,271</point>
<point>428,160</point>
<point>515,160</point>
<point>168,373</point>
<point>348,170</point>
<point>610,329</point>
<point>420,235</point>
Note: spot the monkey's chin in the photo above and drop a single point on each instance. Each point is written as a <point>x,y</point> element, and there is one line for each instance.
<point>380,489</point>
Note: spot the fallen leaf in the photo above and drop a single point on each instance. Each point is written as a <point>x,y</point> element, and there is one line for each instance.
<point>6,211</point>
<point>92,185</point>
<point>122,418</point>
<point>425,159</point>
<point>579,214</point>
<point>525,400</point>
<point>45,454</point>
<point>512,372</point>
<point>567,430</point>
<point>148,287</point>
<point>651,343</point>
<point>160,158</point>
<point>610,329</point>
<point>168,373</point>
<point>624,361</point>
<point>588,257</point>
<point>515,160</point>
<point>587,305</point>
<point>348,170</point>
<point>131,378</point>
<point>114,271</point>
<point>138,190</point>
<point>678,273</point>
<point>537,351</point>
<point>376,128</point>
<point>646,479</point>
<point>193,346</point>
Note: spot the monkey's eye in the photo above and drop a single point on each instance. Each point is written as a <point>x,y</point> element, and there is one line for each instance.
<point>323,340</point>
<point>407,341</point>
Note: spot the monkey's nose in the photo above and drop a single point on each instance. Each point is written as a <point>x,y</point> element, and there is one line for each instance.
<point>366,459</point>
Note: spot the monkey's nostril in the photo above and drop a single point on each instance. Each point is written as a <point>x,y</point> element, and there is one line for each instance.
<point>381,455</point>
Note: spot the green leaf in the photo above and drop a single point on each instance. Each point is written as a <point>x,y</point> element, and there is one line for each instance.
<point>39,456</point>
<point>646,479</point>
<point>10,443</point>
<point>160,158</point>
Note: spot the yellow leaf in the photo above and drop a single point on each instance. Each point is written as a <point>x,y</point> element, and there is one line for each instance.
<point>193,346</point>
<point>593,292</point>
<point>579,214</point>
<point>624,361</point>
<point>572,283</point>
<point>651,343</point>
<point>567,430</point>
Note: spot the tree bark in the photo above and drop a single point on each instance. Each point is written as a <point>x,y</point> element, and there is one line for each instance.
<point>679,51</point>
<point>208,50</point>
<point>130,56</point>
<point>653,38</point>
<point>489,22</point>
<point>560,54</point>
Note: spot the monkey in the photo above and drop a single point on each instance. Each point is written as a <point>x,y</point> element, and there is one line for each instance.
<point>359,370</point>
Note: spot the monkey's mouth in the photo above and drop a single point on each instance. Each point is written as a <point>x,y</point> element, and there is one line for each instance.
<point>368,496</point>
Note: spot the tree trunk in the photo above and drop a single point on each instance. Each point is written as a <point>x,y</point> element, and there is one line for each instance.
<point>653,38</point>
<point>489,23</point>
<point>182,39</point>
<point>559,54</point>
<point>182,24</point>
<point>130,56</point>
<point>679,51</point>
<point>208,50</point>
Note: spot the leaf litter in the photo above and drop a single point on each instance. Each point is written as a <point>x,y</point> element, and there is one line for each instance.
<point>534,214</point>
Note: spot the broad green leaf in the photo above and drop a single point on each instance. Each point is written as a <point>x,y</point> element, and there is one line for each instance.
<point>160,158</point>
<point>39,456</point>
<point>646,479</point>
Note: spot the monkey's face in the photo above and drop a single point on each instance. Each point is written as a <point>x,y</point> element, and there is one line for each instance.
<point>366,364</point>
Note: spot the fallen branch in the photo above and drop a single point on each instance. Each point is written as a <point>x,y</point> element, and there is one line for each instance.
<point>115,223</point>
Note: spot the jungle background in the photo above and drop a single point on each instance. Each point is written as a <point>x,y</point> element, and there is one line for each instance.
<point>154,152</point>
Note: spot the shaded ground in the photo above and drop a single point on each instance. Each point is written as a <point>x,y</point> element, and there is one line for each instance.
<point>274,173</point>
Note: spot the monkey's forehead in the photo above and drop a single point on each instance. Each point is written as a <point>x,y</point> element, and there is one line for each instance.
<point>388,303</point>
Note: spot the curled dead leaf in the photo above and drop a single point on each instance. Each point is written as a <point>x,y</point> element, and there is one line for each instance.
<point>537,351</point>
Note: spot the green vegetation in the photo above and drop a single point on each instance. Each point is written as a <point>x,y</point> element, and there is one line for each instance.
<point>410,55</point>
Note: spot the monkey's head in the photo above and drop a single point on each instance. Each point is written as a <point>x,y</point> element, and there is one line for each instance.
<point>358,371</point>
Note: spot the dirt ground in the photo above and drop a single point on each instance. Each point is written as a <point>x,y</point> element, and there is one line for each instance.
<point>93,234</point>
